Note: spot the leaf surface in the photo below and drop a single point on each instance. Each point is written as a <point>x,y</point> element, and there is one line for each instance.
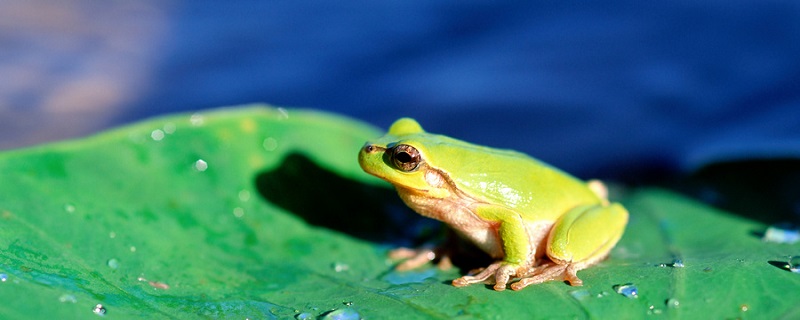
<point>257,212</point>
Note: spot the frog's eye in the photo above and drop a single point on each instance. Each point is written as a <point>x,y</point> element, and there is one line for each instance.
<point>406,158</point>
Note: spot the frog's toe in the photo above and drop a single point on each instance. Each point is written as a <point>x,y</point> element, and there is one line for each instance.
<point>503,275</point>
<point>415,258</point>
<point>480,277</point>
<point>549,272</point>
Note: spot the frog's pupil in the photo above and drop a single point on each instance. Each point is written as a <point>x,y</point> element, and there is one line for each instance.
<point>403,157</point>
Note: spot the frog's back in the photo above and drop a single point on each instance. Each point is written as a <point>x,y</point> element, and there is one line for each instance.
<point>513,179</point>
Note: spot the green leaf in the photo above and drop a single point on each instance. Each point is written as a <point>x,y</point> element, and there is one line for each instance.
<point>258,212</point>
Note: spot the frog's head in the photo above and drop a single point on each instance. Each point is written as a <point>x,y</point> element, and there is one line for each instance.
<point>400,157</point>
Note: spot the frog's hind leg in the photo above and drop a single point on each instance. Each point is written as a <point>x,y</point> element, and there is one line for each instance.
<point>581,238</point>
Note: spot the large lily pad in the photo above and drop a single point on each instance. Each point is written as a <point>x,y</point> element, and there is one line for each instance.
<point>263,213</point>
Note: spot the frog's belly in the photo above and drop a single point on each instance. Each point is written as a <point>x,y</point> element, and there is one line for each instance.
<point>537,236</point>
<point>487,238</point>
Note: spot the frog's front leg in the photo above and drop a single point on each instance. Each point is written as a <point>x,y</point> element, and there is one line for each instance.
<point>579,239</point>
<point>517,253</point>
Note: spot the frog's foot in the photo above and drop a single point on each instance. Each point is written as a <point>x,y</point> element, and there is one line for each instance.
<point>549,271</point>
<point>480,277</point>
<point>415,258</point>
<point>501,271</point>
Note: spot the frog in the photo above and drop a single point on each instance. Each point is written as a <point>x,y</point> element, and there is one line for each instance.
<point>537,222</point>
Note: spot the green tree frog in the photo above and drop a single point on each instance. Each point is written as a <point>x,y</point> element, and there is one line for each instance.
<point>537,222</point>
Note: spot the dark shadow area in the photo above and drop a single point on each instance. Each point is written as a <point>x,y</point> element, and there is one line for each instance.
<point>325,199</point>
<point>763,190</point>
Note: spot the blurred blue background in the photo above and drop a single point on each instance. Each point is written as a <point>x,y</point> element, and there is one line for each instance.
<point>612,89</point>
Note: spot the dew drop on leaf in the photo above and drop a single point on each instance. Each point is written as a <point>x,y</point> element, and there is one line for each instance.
<point>339,267</point>
<point>782,233</point>
<point>672,303</point>
<point>580,294</point>
<point>64,298</point>
<point>304,316</point>
<point>238,212</point>
<point>628,290</point>
<point>169,128</point>
<point>653,310</point>
<point>794,264</point>
<point>244,195</point>
<point>113,263</point>
<point>157,135</point>
<point>341,314</point>
<point>283,113</point>
<point>200,165</point>
<point>197,120</point>
<point>99,310</point>
<point>270,144</point>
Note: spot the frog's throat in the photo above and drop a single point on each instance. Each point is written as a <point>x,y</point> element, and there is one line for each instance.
<point>439,185</point>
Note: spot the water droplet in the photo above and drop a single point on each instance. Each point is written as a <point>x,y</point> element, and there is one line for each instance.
<point>99,310</point>
<point>341,314</point>
<point>3,277</point>
<point>196,119</point>
<point>133,249</point>
<point>113,263</point>
<point>339,267</point>
<point>69,208</point>
<point>677,263</point>
<point>112,234</point>
<point>238,212</point>
<point>270,144</point>
<point>794,264</point>
<point>348,303</point>
<point>304,316</point>
<point>782,233</point>
<point>169,128</point>
<point>200,165</point>
<point>67,298</point>
<point>283,113</point>
<point>708,269</point>
<point>629,290</point>
<point>744,308</point>
<point>157,135</point>
<point>652,310</point>
<point>662,265</point>
<point>580,294</point>
<point>244,195</point>
<point>672,303</point>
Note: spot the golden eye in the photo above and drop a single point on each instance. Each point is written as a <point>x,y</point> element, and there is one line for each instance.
<point>406,158</point>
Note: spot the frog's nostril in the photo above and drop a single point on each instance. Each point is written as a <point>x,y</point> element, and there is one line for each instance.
<point>369,148</point>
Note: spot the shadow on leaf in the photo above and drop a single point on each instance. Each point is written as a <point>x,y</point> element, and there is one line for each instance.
<point>765,190</point>
<point>325,199</point>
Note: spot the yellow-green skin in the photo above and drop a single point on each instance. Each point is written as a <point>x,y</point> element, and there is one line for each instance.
<point>515,208</point>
